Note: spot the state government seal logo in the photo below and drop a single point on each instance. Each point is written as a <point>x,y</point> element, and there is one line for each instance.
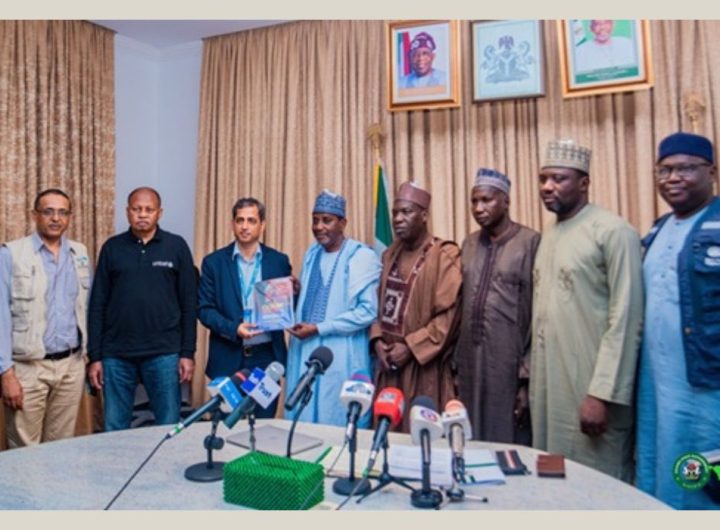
<point>691,471</point>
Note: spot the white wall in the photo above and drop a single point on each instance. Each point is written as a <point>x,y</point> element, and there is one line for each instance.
<point>157,95</point>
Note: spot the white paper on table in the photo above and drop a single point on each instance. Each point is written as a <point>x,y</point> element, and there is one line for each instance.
<point>481,466</point>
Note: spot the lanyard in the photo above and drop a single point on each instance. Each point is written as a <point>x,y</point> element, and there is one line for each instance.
<point>246,292</point>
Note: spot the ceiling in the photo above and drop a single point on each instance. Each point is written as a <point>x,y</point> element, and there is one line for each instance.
<point>167,33</point>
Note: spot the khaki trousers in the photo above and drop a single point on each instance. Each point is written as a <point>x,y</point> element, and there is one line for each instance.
<point>51,398</point>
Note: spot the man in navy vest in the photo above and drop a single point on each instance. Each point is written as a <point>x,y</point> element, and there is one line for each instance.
<point>679,388</point>
<point>227,281</point>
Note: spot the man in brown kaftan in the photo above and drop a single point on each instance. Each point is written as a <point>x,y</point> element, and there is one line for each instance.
<point>494,343</point>
<point>419,291</point>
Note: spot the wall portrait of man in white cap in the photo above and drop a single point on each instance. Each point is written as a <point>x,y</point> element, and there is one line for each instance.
<point>601,56</point>
<point>423,64</point>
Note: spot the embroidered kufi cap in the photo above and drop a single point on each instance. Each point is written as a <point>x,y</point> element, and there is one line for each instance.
<point>492,178</point>
<point>566,153</point>
<point>329,202</point>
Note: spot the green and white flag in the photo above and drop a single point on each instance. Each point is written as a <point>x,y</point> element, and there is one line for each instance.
<point>383,228</point>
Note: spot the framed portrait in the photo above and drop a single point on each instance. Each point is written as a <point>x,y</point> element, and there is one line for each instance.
<point>507,59</point>
<point>602,56</point>
<point>423,64</point>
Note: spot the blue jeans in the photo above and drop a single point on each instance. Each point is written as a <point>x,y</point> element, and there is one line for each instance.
<point>159,376</point>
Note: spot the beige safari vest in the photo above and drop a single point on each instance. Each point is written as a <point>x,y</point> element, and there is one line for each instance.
<point>27,297</point>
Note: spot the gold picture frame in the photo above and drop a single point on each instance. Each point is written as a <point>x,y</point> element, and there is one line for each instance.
<point>604,56</point>
<point>423,64</point>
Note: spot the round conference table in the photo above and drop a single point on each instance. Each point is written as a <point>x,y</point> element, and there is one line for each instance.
<point>86,472</point>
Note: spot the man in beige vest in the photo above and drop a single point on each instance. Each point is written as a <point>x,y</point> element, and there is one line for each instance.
<point>44,285</point>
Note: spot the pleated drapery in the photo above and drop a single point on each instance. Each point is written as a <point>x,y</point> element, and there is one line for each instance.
<point>57,130</point>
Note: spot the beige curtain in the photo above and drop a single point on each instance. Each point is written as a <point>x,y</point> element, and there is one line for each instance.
<point>57,129</point>
<point>284,113</point>
<point>285,110</point>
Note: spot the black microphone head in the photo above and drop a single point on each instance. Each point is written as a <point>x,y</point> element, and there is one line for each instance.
<point>238,378</point>
<point>322,356</point>
<point>424,401</point>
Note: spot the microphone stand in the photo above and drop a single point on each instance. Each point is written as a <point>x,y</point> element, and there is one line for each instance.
<point>385,477</point>
<point>307,394</point>
<point>426,497</point>
<point>455,493</point>
<point>251,424</point>
<point>167,437</point>
<point>352,485</point>
<point>209,471</point>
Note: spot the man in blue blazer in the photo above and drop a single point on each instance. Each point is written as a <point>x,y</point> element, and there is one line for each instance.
<point>226,284</point>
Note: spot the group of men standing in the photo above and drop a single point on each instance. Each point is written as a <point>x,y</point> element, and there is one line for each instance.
<point>137,323</point>
<point>539,336</point>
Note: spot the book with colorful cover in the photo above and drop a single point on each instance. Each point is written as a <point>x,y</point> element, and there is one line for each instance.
<point>273,300</point>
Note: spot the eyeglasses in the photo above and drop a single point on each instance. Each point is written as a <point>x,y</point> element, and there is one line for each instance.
<point>682,170</point>
<point>49,213</point>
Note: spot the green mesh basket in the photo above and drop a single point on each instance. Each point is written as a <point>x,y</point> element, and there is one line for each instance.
<point>269,482</point>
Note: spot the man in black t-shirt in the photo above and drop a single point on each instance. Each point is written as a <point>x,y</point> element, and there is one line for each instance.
<point>141,319</point>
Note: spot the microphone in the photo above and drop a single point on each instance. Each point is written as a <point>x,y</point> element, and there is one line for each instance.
<point>260,387</point>
<point>356,394</point>
<point>424,418</point>
<point>225,392</point>
<point>318,362</point>
<point>425,426</point>
<point>387,411</point>
<point>456,426</point>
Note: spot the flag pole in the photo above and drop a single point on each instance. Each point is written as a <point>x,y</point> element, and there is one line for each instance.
<point>382,230</point>
<point>377,138</point>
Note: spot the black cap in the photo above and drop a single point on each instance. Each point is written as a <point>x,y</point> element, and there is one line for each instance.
<point>682,143</point>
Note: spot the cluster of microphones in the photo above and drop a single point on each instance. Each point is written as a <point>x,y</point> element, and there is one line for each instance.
<point>426,425</point>
<point>259,387</point>
<point>239,395</point>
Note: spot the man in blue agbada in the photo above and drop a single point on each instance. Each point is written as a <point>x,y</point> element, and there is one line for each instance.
<point>337,304</point>
<point>679,387</point>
